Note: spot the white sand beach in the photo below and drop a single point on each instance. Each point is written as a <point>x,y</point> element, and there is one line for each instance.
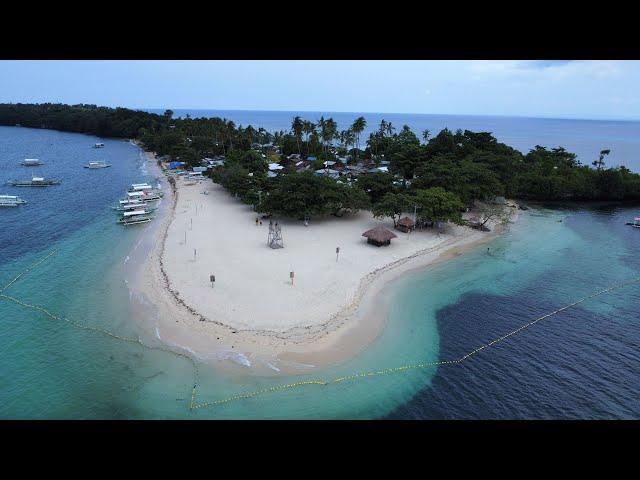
<point>329,312</point>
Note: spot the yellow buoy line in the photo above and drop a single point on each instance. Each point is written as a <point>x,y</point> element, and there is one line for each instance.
<point>31,267</point>
<point>87,327</point>
<point>387,371</point>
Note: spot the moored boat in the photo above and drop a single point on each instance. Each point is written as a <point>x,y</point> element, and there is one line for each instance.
<point>141,196</point>
<point>94,165</point>
<point>34,182</point>
<point>11,201</point>
<point>635,223</point>
<point>135,216</point>
<point>98,145</point>
<point>31,162</point>
<point>131,206</point>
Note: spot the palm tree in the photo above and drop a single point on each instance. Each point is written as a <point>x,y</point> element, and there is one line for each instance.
<point>322,124</point>
<point>308,128</point>
<point>331,130</point>
<point>390,129</point>
<point>230,131</point>
<point>347,138</point>
<point>358,127</point>
<point>425,134</point>
<point>297,127</point>
<point>251,132</point>
<point>383,127</point>
<point>373,142</point>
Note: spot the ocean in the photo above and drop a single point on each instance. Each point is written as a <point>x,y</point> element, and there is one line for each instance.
<point>585,138</point>
<point>580,363</point>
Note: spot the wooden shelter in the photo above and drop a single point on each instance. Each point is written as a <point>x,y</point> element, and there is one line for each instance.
<point>379,236</point>
<point>405,224</point>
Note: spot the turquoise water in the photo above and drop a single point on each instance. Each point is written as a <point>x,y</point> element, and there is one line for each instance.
<point>580,364</point>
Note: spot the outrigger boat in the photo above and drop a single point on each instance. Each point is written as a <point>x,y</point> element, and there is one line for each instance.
<point>34,182</point>
<point>131,201</point>
<point>141,196</point>
<point>635,223</point>
<point>31,162</point>
<point>144,187</point>
<point>10,201</point>
<point>94,165</point>
<point>140,186</point>
<point>128,207</point>
<point>135,217</point>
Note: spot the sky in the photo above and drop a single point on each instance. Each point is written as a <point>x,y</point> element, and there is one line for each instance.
<point>531,88</point>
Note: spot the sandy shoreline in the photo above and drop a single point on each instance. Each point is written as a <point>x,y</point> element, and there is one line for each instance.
<point>253,315</point>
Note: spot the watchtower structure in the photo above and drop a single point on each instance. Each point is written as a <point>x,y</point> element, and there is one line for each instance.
<point>275,235</point>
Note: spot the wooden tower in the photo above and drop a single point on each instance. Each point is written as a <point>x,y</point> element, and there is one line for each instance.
<point>275,236</point>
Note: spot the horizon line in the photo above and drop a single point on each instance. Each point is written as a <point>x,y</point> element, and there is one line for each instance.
<point>567,117</point>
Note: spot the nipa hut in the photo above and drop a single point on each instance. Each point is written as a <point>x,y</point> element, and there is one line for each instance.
<point>379,236</point>
<point>405,224</point>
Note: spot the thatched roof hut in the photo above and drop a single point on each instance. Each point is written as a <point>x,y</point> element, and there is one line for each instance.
<point>379,236</point>
<point>405,224</point>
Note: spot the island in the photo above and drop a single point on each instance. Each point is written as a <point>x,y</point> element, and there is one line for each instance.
<point>282,243</point>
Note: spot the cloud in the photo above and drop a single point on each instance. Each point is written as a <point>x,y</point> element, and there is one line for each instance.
<point>546,70</point>
<point>545,63</point>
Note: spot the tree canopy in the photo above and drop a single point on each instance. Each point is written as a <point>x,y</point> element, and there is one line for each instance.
<point>472,166</point>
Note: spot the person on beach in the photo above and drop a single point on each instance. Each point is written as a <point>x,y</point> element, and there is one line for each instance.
<point>257,220</point>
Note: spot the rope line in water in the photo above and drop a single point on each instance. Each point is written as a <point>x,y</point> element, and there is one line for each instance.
<point>103,331</point>
<point>81,325</point>
<point>388,371</point>
<point>394,370</point>
<point>28,270</point>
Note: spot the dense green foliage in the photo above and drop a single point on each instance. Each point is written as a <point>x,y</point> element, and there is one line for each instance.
<point>101,121</point>
<point>430,205</point>
<point>306,195</point>
<point>434,175</point>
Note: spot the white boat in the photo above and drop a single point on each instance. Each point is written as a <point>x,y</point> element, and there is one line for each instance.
<point>98,145</point>
<point>142,196</point>
<point>140,187</point>
<point>635,223</point>
<point>135,216</point>
<point>34,182</point>
<point>31,162</point>
<point>131,201</point>
<point>145,187</point>
<point>94,165</point>
<point>11,201</point>
<point>128,207</point>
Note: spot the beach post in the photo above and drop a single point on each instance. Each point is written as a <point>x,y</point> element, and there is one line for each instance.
<point>291,275</point>
<point>337,253</point>
<point>212,279</point>
<point>194,254</point>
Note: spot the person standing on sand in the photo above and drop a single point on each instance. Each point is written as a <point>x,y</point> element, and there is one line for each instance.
<point>257,221</point>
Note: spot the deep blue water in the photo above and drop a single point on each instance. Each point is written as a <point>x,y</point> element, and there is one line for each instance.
<point>581,363</point>
<point>584,137</point>
<point>56,211</point>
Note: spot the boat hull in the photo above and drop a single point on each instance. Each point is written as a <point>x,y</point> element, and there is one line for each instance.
<point>135,222</point>
<point>18,184</point>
